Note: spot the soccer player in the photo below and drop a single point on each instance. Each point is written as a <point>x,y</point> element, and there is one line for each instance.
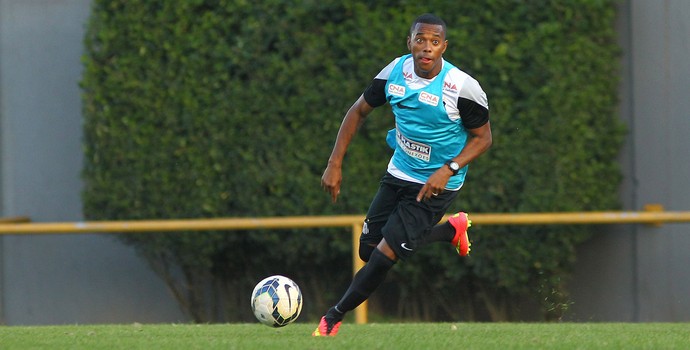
<point>441,125</point>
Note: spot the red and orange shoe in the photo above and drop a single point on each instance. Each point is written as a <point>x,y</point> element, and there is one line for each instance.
<point>461,222</point>
<point>326,329</point>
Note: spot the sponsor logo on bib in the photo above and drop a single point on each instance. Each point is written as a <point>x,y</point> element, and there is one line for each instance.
<point>428,98</point>
<point>396,90</point>
<point>414,149</point>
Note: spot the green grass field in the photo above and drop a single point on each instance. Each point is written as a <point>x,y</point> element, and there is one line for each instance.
<point>351,336</point>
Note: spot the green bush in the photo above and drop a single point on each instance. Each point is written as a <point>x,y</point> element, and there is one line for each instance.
<point>197,109</point>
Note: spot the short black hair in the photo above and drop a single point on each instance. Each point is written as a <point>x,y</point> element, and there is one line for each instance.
<point>428,18</point>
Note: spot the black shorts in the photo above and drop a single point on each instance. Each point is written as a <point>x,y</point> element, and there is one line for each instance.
<point>396,215</point>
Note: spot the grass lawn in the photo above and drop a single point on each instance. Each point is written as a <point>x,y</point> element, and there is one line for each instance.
<point>352,336</point>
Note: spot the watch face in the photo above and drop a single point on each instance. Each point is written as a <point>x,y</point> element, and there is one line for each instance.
<point>454,166</point>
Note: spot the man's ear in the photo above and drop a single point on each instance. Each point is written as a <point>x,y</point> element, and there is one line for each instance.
<point>409,44</point>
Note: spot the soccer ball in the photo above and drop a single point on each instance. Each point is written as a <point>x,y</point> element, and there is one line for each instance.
<point>276,301</point>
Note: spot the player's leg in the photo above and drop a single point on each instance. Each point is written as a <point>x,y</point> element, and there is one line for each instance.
<point>454,230</point>
<point>403,225</point>
<point>365,282</point>
<point>373,273</point>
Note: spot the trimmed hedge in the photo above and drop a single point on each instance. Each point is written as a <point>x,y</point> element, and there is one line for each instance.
<point>198,109</point>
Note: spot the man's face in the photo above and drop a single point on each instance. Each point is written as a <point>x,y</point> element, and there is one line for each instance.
<point>427,43</point>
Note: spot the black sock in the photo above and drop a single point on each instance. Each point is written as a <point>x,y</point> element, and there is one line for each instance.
<point>334,315</point>
<point>444,232</point>
<point>367,279</point>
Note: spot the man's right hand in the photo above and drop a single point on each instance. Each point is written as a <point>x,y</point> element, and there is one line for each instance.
<point>330,181</point>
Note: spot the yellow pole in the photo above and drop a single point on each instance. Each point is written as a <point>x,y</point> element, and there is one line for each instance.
<point>169,225</point>
<point>357,263</point>
<point>163,225</point>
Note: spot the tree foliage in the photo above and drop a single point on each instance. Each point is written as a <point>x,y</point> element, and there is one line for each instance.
<point>203,108</point>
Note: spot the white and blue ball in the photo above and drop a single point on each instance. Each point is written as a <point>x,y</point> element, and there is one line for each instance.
<point>276,301</point>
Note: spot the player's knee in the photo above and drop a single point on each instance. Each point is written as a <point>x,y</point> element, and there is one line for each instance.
<point>365,251</point>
